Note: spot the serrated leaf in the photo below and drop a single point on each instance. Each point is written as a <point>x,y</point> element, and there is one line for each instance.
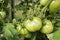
<point>9,31</point>
<point>8,35</point>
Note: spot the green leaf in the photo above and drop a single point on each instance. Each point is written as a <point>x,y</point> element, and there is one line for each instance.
<point>56,35</point>
<point>9,31</point>
<point>8,35</point>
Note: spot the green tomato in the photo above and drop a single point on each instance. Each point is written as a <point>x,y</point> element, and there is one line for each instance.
<point>54,6</point>
<point>24,31</point>
<point>19,28</point>
<point>14,21</point>
<point>43,2</point>
<point>30,4</point>
<point>2,15</point>
<point>48,27</point>
<point>33,25</point>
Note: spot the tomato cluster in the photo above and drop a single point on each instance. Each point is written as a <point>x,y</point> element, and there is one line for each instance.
<point>38,23</point>
<point>35,25</point>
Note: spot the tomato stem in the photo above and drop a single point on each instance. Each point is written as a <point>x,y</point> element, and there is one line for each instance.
<point>44,8</point>
<point>34,37</point>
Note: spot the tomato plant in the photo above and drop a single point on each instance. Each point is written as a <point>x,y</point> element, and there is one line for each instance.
<point>33,25</point>
<point>29,19</point>
<point>48,27</point>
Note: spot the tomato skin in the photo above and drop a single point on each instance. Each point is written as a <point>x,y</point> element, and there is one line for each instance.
<point>14,21</point>
<point>2,15</point>
<point>54,6</point>
<point>48,27</point>
<point>21,30</point>
<point>18,28</point>
<point>33,25</point>
<point>24,31</point>
<point>43,2</point>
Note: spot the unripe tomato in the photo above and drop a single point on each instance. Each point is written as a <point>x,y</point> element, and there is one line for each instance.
<point>24,31</point>
<point>43,2</point>
<point>30,4</point>
<point>14,21</point>
<point>2,15</point>
<point>21,30</point>
<point>54,6</point>
<point>33,25</point>
<point>48,27</point>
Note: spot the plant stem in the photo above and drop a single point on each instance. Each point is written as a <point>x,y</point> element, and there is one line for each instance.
<point>34,37</point>
<point>44,8</point>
